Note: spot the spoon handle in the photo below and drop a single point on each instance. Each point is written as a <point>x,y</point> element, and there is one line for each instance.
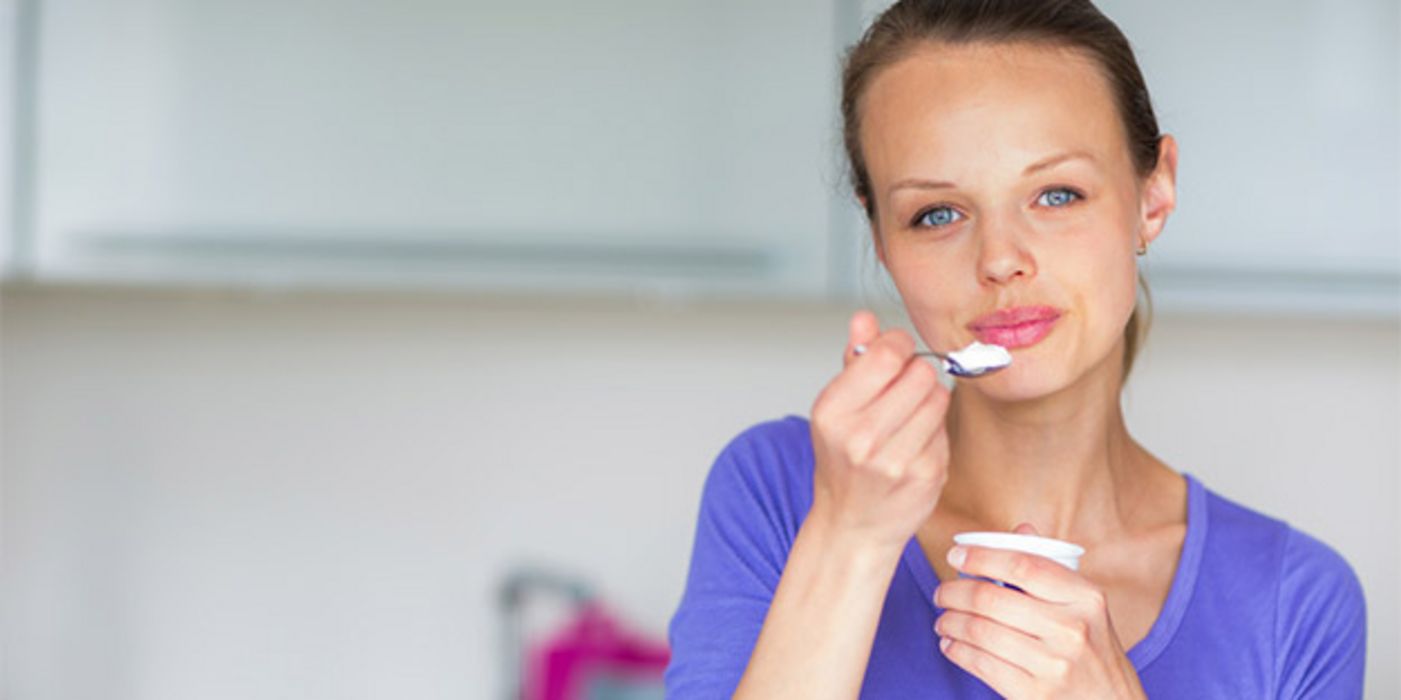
<point>861,349</point>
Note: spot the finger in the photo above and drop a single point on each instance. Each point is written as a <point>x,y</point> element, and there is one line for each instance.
<point>1021,650</point>
<point>1018,611</point>
<point>863,328</point>
<point>869,374</point>
<point>1037,575</point>
<point>894,408</point>
<point>1004,677</point>
<point>909,438</point>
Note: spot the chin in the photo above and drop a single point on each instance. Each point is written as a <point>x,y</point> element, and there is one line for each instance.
<point>1038,375</point>
<point>1018,383</point>
<point>1029,378</point>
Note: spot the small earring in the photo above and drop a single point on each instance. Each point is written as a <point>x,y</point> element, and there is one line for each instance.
<point>1143,248</point>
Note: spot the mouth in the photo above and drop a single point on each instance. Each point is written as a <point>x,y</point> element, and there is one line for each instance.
<point>1015,327</point>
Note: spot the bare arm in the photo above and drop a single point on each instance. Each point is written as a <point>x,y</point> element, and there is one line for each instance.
<point>817,636</point>
<point>880,459</point>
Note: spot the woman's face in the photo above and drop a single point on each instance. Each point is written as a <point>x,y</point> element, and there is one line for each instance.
<point>1002,181</point>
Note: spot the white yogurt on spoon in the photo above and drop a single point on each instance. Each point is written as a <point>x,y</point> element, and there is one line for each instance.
<point>978,358</point>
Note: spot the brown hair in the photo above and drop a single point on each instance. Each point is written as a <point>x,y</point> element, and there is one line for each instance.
<point>1075,24</point>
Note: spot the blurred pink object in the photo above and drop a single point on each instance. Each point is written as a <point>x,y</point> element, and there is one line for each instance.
<point>594,647</point>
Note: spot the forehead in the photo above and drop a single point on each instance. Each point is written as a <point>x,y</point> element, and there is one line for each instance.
<point>953,107</point>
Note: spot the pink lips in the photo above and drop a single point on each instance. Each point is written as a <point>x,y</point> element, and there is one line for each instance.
<point>1015,327</point>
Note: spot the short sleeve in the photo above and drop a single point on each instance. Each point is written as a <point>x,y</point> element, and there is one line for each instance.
<point>749,513</point>
<point>1321,628</point>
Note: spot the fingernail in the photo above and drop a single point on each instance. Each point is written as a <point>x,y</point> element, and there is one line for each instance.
<point>956,556</point>
<point>944,644</point>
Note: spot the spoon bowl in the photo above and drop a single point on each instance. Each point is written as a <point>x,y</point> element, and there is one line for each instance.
<point>949,364</point>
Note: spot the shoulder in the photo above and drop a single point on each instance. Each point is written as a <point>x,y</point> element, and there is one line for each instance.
<point>760,486</point>
<point>782,439</point>
<point>1267,546</point>
<point>1296,559</point>
<point>1314,610</point>
<point>1245,541</point>
<point>769,461</point>
<point>1310,567</point>
<point>755,496</point>
<point>1319,592</point>
<point>1320,629</point>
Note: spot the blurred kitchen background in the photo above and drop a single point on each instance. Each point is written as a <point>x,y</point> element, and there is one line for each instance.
<point>320,320</point>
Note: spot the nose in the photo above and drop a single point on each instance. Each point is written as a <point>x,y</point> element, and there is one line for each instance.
<point>1003,255</point>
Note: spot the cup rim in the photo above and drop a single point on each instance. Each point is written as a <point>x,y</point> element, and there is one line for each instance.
<point>1031,544</point>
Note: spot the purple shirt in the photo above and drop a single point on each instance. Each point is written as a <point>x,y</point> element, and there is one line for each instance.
<point>1257,609</point>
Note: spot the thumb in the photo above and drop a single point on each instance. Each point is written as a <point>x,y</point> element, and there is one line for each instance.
<point>1026,529</point>
<point>863,329</point>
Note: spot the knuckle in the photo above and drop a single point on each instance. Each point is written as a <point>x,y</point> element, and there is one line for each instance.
<point>927,470</point>
<point>860,426</point>
<point>1078,634</point>
<point>982,665</point>
<point>1026,567</point>
<point>884,350</point>
<point>1058,669</point>
<point>983,597</point>
<point>859,444</point>
<point>942,394</point>
<point>892,472</point>
<point>938,395</point>
<point>1097,601</point>
<point>946,624</point>
<point>930,412</point>
<point>892,350</point>
<point>976,632</point>
<point>901,340</point>
<point>923,376</point>
<point>941,477</point>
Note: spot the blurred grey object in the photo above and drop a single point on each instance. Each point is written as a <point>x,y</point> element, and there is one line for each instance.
<point>521,586</point>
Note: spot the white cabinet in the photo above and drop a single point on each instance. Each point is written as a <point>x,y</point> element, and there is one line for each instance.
<point>679,146</point>
<point>1289,176</point>
<point>687,148</point>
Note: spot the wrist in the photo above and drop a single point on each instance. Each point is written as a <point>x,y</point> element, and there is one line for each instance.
<point>849,548</point>
<point>1133,687</point>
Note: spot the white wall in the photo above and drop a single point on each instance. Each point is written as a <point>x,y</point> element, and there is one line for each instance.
<point>229,496</point>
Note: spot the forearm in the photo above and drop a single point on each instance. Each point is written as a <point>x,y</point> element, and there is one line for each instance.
<point>817,636</point>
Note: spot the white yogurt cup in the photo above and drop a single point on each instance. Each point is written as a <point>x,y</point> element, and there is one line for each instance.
<point>1059,551</point>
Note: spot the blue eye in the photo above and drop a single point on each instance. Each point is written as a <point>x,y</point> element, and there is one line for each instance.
<point>1058,197</point>
<point>938,216</point>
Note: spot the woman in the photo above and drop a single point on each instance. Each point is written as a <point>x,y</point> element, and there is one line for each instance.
<point>1010,166</point>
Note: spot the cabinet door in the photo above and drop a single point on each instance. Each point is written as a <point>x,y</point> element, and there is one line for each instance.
<point>681,146</point>
<point>1289,181</point>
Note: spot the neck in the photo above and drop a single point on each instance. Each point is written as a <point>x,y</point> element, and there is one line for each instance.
<point>1064,462</point>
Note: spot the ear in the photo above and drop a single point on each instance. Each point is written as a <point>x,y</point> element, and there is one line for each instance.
<point>1159,196</point>
<point>875,233</point>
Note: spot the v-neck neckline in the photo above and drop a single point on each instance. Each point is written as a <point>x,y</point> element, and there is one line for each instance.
<point>1174,607</point>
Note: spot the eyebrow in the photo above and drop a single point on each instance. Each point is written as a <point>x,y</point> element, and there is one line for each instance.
<point>920,183</point>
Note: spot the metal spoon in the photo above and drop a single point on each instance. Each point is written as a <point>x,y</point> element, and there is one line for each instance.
<point>950,365</point>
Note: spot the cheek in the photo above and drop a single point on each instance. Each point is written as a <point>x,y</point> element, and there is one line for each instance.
<point>1100,274</point>
<point>1109,291</point>
<point>932,298</point>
